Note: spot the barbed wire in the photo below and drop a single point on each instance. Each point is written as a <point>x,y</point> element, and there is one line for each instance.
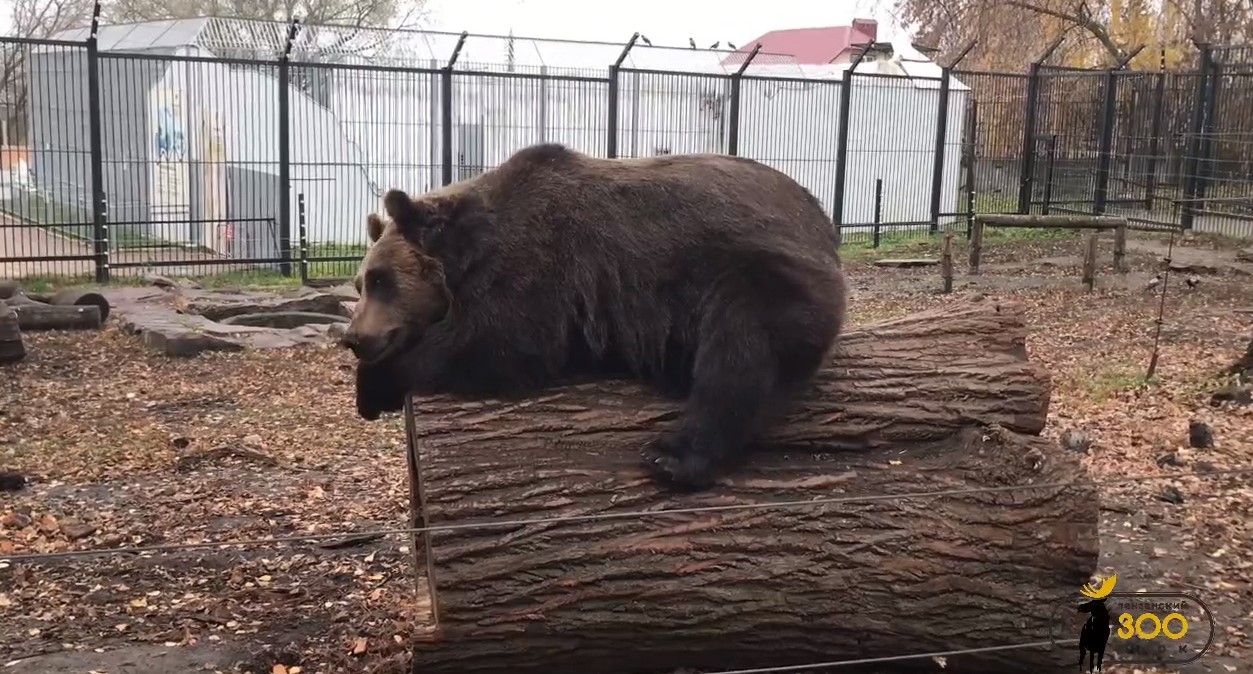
<point>562,519</point>
<point>898,658</point>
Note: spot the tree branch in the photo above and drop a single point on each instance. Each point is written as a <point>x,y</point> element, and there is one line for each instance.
<point>1084,21</point>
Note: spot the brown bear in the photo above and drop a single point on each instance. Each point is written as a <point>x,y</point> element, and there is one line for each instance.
<point>714,278</point>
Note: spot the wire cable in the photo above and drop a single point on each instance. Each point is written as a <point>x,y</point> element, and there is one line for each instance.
<point>898,658</point>
<point>257,542</point>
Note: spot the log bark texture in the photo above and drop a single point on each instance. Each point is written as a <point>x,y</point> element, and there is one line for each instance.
<point>940,400</point>
<point>12,349</point>
<point>33,316</point>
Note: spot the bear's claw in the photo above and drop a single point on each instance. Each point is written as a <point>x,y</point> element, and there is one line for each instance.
<point>672,463</point>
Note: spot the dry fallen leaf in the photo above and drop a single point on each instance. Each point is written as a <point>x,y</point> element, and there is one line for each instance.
<point>279,669</point>
<point>358,645</point>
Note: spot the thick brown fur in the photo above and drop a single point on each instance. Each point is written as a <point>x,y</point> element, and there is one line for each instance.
<point>715,278</point>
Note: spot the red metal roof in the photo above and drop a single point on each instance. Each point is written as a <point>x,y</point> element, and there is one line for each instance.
<point>810,46</point>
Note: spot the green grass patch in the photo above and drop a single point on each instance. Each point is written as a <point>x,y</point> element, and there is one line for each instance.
<point>1114,378</point>
<point>261,277</point>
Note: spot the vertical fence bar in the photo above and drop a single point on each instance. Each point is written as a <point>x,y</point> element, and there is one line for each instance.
<point>99,214</point>
<point>1026,174</point>
<point>1048,174</point>
<point>1104,158</point>
<point>733,124</point>
<point>971,155</point>
<point>1150,180</point>
<point>284,151</point>
<point>941,131</point>
<point>1205,169</point>
<point>302,224</point>
<point>445,113</point>
<point>1194,139</point>
<point>611,142</point>
<point>841,165</point>
<point>878,209</point>
<point>1027,167</point>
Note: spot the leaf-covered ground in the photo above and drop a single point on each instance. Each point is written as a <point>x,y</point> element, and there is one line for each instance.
<point>126,448</point>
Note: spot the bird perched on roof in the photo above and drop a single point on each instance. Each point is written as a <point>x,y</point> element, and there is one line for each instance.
<point>692,41</point>
<point>646,40</point>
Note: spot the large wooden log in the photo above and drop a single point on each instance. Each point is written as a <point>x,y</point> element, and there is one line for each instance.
<point>12,349</point>
<point>940,400</point>
<point>69,297</point>
<point>33,316</point>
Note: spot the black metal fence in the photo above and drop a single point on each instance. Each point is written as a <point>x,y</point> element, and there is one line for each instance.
<point>119,163</point>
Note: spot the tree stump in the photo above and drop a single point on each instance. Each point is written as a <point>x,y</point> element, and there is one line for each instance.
<point>943,400</point>
<point>12,349</point>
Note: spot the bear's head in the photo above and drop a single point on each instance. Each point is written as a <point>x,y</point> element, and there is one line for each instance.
<point>401,281</point>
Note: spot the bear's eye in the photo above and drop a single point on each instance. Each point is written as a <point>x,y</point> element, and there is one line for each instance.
<point>378,281</point>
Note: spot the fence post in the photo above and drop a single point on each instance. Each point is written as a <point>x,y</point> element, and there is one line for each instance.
<point>941,136</point>
<point>1104,158</point>
<point>1206,164</point>
<point>1027,167</point>
<point>971,151</point>
<point>1195,130</point>
<point>1150,181</point>
<point>100,228</point>
<point>937,166</point>
<point>445,114</point>
<point>611,142</point>
<point>284,151</point>
<point>841,165</point>
<point>733,133</point>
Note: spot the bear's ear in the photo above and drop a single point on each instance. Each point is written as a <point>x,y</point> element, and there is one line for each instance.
<point>416,220</point>
<point>374,226</point>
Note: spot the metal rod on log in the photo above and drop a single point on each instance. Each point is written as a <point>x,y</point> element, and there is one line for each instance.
<point>944,399</point>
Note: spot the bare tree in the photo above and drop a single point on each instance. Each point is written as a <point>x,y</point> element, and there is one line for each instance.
<point>31,19</point>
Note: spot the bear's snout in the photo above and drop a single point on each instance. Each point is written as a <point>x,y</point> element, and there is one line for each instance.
<point>367,348</point>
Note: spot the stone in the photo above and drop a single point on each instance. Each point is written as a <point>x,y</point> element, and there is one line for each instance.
<point>283,320</point>
<point>219,306</point>
<point>185,343</point>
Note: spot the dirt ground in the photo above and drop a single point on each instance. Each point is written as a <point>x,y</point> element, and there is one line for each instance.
<point>99,426</point>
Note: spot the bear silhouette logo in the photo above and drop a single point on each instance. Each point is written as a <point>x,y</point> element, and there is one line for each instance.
<point>1095,632</point>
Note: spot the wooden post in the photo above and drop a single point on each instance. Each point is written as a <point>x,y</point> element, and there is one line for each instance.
<point>976,246</point>
<point>1089,263</point>
<point>1120,249</point>
<point>946,262</point>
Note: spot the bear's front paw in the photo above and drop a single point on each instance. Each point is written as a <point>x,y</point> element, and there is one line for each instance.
<point>672,462</point>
